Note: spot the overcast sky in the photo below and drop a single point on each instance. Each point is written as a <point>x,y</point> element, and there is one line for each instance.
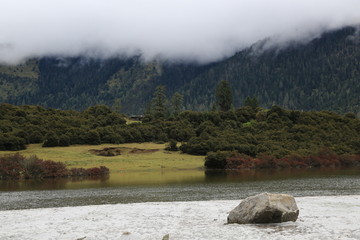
<point>195,30</point>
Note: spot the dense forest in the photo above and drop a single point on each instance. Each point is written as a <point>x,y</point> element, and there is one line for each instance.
<point>249,131</point>
<point>320,75</point>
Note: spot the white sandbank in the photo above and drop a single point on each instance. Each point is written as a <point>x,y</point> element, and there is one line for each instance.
<point>335,217</point>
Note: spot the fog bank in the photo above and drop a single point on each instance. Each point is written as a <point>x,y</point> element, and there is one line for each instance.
<point>190,30</point>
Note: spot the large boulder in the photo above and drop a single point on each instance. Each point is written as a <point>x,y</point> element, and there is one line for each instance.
<point>265,208</point>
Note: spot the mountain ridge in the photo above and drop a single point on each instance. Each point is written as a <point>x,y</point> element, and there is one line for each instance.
<point>323,74</point>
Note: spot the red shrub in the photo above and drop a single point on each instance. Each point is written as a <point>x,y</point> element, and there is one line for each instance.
<point>38,168</point>
<point>266,161</point>
<point>82,172</point>
<point>78,172</point>
<point>54,169</point>
<point>325,158</point>
<point>349,160</point>
<point>239,162</point>
<point>282,163</point>
<point>33,168</point>
<point>97,171</point>
<point>16,167</point>
<point>297,161</point>
<point>104,170</point>
<point>11,166</point>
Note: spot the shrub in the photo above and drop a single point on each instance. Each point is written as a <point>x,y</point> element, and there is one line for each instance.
<point>17,166</point>
<point>54,169</point>
<point>97,171</point>
<point>11,143</point>
<point>35,137</point>
<point>11,166</point>
<point>172,146</point>
<point>92,137</point>
<point>240,162</point>
<point>64,140</point>
<point>82,172</point>
<point>78,172</point>
<point>217,160</point>
<point>324,158</point>
<point>33,168</point>
<point>51,140</point>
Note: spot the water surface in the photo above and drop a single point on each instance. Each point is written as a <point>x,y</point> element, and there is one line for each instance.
<point>165,186</point>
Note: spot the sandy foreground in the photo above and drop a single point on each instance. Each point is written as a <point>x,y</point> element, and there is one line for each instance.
<point>336,217</point>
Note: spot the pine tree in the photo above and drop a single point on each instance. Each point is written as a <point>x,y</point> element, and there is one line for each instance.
<point>251,102</point>
<point>159,101</point>
<point>177,103</point>
<point>224,98</point>
<point>116,107</point>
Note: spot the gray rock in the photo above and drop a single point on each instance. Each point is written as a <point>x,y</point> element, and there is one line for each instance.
<point>265,208</point>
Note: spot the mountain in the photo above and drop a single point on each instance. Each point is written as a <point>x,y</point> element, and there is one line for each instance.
<point>323,74</point>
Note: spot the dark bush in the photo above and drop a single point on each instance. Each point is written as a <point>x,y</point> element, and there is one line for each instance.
<point>36,137</point>
<point>92,137</point>
<point>11,142</point>
<point>217,160</point>
<point>64,140</point>
<point>51,140</point>
<point>172,146</point>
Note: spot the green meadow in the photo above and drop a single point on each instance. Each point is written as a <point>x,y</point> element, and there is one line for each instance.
<point>133,157</point>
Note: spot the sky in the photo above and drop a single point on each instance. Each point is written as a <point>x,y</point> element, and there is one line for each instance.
<point>179,30</point>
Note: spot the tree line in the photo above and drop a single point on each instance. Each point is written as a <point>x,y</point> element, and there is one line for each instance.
<point>250,130</point>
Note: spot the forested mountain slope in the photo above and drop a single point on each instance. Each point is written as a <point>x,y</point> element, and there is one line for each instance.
<point>323,74</point>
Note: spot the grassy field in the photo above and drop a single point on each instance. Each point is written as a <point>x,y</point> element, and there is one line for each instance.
<point>155,159</point>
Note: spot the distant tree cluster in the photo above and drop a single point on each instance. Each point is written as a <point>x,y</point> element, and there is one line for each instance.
<point>276,132</point>
<point>34,124</point>
<point>249,131</point>
<point>161,107</point>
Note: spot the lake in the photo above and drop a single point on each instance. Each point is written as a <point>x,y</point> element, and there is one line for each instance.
<point>181,185</point>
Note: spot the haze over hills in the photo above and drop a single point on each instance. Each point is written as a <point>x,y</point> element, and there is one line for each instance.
<point>321,74</point>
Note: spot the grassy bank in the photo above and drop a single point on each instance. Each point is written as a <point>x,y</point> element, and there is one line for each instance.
<point>80,156</point>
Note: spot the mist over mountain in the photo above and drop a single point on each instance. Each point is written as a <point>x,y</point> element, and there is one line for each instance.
<point>199,31</point>
<point>322,74</point>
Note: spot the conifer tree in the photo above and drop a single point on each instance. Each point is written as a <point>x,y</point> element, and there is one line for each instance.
<point>177,103</point>
<point>159,101</point>
<point>116,107</point>
<point>251,102</point>
<point>224,99</point>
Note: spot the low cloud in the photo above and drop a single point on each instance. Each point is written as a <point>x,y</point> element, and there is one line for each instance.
<point>186,30</point>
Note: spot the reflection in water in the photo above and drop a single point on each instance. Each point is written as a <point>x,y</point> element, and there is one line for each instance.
<point>157,178</point>
<point>190,185</point>
<point>50,183</point>
<point>114,180</point>
<point>277,174</point>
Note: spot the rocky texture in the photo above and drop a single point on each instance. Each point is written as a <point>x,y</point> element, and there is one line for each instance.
<point>265,208</point>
